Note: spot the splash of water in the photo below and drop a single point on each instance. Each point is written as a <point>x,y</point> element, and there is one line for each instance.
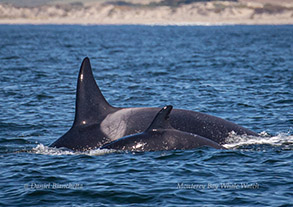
<point>45,150</point>
<point>264,138</point>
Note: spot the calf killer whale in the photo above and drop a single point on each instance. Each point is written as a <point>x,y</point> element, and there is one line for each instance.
<point>159,136</point>
<point>96,122</point>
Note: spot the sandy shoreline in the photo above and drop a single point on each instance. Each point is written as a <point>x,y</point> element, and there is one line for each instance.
<point>199,13</point>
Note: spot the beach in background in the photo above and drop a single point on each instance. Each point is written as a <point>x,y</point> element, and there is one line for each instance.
<point>147,12</point>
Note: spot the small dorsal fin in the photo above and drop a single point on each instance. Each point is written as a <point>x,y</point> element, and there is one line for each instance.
<point>90,102</point>
<point>161,121</point>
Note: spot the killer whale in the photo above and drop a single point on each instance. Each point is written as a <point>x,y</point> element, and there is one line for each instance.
<point>96,122</point>
<point>161,136</point>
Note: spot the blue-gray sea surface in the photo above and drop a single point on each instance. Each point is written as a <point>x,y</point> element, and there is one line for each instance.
<point>240,73</point>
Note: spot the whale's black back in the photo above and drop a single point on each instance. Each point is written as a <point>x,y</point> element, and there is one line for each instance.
<point>159,136</point>
<point>92,109</point>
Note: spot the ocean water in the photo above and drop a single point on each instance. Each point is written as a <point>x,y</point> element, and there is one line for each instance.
<point>240,73</point>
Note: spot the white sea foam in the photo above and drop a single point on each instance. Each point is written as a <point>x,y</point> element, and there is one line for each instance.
<point>263,138</point>
<point>45,150</point>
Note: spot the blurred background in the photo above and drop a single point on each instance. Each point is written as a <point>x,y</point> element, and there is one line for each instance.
<point>190,12</point>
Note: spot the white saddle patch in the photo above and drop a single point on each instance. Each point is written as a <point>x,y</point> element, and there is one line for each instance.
<point>115,124</point>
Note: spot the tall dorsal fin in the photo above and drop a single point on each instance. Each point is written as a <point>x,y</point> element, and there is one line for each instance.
<point>90,102</point>
<point>161,121</point>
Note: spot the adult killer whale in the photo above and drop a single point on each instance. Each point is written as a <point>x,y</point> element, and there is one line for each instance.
<point>96,122</point>
<point>159,136</point>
